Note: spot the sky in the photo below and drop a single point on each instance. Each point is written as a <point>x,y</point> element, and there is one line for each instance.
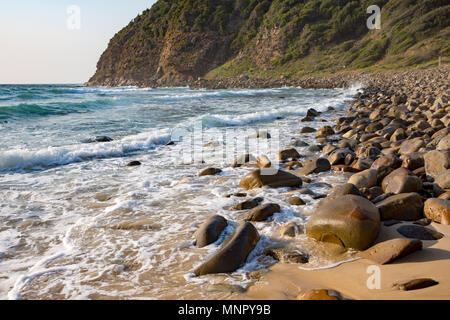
<point>59,41</point>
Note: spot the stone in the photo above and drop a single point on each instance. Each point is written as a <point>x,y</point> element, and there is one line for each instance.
<point>248,204</point>
<point>298,143</point>
<point>438,210</point>
<point>344,189</point>
<point>411,145</point>
<point>319,294</point>
<point>419,232</point>
<point>281,179</point>
<point>403,184</point>
<point>444,143</point>
<point>295,201</point>
<point>288,154</point>
<point>391,250</point>
<point>443,181</point>
<point>307,130</point>
<point>437,162</point>
<point>262,212</point>
<point>350,221</point>
<point>404,206</point>
<point>416,284</point>
<point>233,252</point>
<point>209,172</point>
<point>210,230</point>
<point>423,222</point>
<point>290,229</point>
<point>244,159</point>
<point>338,156</point>
<point>314,166</point>
<point>324,132</point>
<point>286,255</point>
<point>364,179</point>
<point>413,161</point>
<point>392,176</point>
<point>134,164</point>
<point>263,162</point>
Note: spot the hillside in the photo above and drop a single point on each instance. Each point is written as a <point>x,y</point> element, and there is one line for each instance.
<point>178,41</point>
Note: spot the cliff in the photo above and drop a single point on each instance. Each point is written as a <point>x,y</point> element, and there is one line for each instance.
<point>178,41</point>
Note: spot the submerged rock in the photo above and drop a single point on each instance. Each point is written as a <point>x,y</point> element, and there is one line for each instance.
<point>233,252</point>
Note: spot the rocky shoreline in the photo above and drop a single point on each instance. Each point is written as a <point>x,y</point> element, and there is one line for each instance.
<point>394,138</point>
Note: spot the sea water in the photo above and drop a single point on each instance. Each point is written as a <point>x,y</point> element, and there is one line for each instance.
<point>77,223</point>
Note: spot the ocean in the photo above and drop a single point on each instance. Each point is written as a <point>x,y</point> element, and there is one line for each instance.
<point>77,223</point>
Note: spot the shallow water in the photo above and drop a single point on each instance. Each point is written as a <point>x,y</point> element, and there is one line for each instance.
<point>76,223</point>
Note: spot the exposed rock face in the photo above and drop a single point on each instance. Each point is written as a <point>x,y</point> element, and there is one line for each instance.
<point>281,179</point>
<point>350,221</point>
<point>390,250</point>
<point>233,252</point>
<point>210,230</point>
<point>405,206</point>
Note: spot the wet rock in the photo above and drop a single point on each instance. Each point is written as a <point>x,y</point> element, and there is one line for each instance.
<point>403,184</point>
<point>307,130</point>
<point>319,294</point>
<point>315,148</point>
<point>262,212</point>
<point>244,159</point>
<point>390,250</point>
<point>288,154</point>
<point>260,135</point>
<point>438,210</point>
<point>364,179</point>
<point>416,284</point>
<point>295,201</point>
<point>286,255</point>
<point>404,206</point>
<point>134,164</point>
<point>209,172</point>
<point>298,143</point>
<point>344,189</point>
<point>233,252</point>
<point>263,162</point>
<point>98,139</point>
<point>419,232</point>
<point>248,204</point>
<point>290,229</point>
<point>210,231</point>
<point>338,156</point>
<point>314,166</point>
<point>212,144</point>
<point>281,179</point>
<point>350,221</point>
<point>236,194</point>
<point>324,132</point>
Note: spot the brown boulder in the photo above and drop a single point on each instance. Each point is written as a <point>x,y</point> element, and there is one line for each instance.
<point>404,206</point>
<point>262,212</point>
<point>438,210</point>
<point>364,179</point>
<point>314,166</point>
<point>350,221</point>
<point>281,179</point>
<point>248,204</point>
<point>233,252</point>
<point>209,172</point>
<point>210,230</point>
<point>288,154</point>
<point>390,250</point>
<point>403,184</point>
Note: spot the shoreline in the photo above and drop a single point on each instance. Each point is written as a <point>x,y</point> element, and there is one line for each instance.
<point>417,103</point>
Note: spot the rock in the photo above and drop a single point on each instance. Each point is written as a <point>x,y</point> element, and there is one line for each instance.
<point>391,177</point>
<point>324,132</point>
<point>285,255</point>
<point>298,143</point>
<point>212,144</point>
<point>438,210</point>
<point>260,135</point>
<point>209,172</point>
<point>398,135</point>
<point>210,231</point>
<point>403,184</point>
<point>437,163</point>
<point>443,180</point>
<point>388,160</point>
<point>98,139</point>
<point>295,201</point>
<point>225,287</point>
<point>445,195</point>
<point>319,294</point>
<point>263,162</point>
<point>416,284</point>
<point>350,221</point>
<point>413,161</point>
<point>281,179</point>
<point>244,160</point>
<point>338,156</point>
<point>372,193</point>
<point>248,204</point>
<point>314,166</point>
<point>411,145</point>
<point>262,212</point>
<point>364,179</point>
<point>312,112</point>
<point>236,194</point>
<point>404,206</point>
<point>233,252</point>
<point>134,164</point>
<point>307,130</point>
<point>315,148</point>
<point>290,229</point>
<point>444,143</point>
<point>344,189</point>
<point>419,232</point>
<point>390,250</point>
<point>423,222</point>
<point>288,154</point>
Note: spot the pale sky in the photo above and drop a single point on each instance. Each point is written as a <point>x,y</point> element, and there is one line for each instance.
<point>37,45</point>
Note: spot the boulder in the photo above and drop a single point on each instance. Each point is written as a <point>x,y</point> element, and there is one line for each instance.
<point>287,255</point>
<point>263,162</point>
<point>444,143</point>
<point>290,229</point>
<point>281,179</point>
<point>392,176</point>
<point>390,250</point>
<point>413,161</point>
<point>443,180</point>
<point>209,172</point>
<point>248,204</point>
<point>416,284</point>
<point>314,166</point>
<point>307,130</point>
<point>210,231</point>
<point>324,132</point>
<point>419,232</point>
<point>364,179</point>
<point>134,164</point>
<point>350,221</point>
<point>344,189</point>
<point>338,156</point>
<point>295,201</point>
<point>288,154</point>
<point>438,210</point>
<point>262,212</point>
<point>403,184</point>
<point>233,252</point>
<point>404,206</point>
<point>437,163</point>
<point>244,159</point>
<point>411,145</point>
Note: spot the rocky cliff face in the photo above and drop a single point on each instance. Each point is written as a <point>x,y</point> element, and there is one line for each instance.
<point>177,41</point>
